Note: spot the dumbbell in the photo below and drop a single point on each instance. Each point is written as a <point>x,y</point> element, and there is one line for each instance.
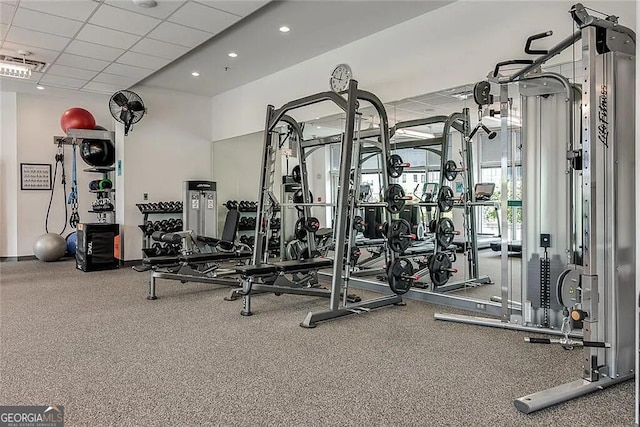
<point>171,224</point>
<point>243,222</point>
<point>254,206</point>
<point>179,224</point>
<point>157,249</point>
<point>252,222</point>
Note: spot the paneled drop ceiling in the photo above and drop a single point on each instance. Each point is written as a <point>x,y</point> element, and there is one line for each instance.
<point>107,45</point>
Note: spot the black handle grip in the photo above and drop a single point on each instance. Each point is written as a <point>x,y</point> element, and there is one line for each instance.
<point>539,340</point>
<point>510,62</point>
<point>594,344</point>
<point>527,47</point>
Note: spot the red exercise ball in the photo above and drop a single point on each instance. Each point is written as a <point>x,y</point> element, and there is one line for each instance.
<point>77,118</point>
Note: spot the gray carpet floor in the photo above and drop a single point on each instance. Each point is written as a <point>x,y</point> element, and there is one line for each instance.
<point>93,343</point>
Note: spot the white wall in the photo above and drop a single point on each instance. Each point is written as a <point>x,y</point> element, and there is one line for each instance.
<point>454,45</point>
<point>9,183</point>
<point>171,144</point>
<point>37,121</point>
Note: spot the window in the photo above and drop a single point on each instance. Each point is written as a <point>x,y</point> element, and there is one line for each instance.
<point>423,178</point>
<point>415,178</point>
<point>404,178</point>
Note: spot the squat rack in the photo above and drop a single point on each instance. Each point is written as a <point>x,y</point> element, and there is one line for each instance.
<point>346,191</point>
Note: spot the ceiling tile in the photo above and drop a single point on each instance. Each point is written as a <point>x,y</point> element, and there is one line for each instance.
<point>72,9</point>
<point>122,81</point>
<point>3,30</point>
<point>162,10</point>
<point>178,34</point>
<point>102,87</point>
<point>128,70</point>
<point>64,71</point>
<point>6,12</point>
<point>241,8</point>
<point>62,81</point>
<point>119,19</point>
<point>46,23</point>
<point>37,54</point>
<point>203,18</point>
<point>93,50</point>
<point>36,38</point>
<point>81,62</point>
<point>107,37</point>
<point>158,48</point>
<point>142,60</point>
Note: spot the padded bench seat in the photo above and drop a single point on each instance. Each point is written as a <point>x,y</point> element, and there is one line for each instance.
<point>284,266</point>
<point>160,260</point>
<point>216,256</point>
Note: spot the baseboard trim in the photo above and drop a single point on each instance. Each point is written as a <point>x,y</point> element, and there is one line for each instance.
<point>18,258</point>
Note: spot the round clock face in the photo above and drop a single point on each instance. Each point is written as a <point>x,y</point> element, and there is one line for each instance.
<point>340,77</point>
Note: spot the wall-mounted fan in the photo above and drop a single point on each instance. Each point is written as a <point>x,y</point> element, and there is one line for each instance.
<point>127,107</point>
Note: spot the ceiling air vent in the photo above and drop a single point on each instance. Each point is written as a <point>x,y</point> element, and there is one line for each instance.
<point>36,66</point>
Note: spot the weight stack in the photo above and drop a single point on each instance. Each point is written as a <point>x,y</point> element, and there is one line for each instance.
<point>98,247</point>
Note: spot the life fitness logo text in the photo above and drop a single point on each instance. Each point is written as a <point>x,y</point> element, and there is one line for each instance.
<point>32,416</point>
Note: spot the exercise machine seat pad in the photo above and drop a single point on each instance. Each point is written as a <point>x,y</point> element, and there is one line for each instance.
<point>307,264</point>
<point>160,260</point>
<point>216,256</point>
<point>256,270</point>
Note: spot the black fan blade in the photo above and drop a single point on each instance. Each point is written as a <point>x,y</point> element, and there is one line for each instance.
<point>136,106</point>
<point>120,99</point>
<point>125,116</point>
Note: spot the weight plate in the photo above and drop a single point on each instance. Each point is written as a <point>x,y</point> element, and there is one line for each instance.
<point>440,269</point>
<point>312,224</point>
<point>394,196</point>
<point>450,170</point>
<point>445,232</point>
<point>400,276</point>
<point>358,224</point>
<point>399,235</point>
<point>296,174</point>
<point>445,199</point>
<point>300,230</point>
<point>394,167</point>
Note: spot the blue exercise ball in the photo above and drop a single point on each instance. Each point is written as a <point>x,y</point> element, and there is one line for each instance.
<point>49,247</point>
<point>72,242</point>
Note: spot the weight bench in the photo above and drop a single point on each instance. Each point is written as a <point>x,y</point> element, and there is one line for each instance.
<point>271,278</point>
<point>202,267</point>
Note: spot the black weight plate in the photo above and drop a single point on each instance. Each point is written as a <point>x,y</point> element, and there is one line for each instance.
<point>397,235</point>
<point>300,230</point>
<point>296,174</point>
<point>394,196</point>
<point>394,167</point>
<point>445,199</point>
<point>400,276</point>
<point>450,170</point>
<point>358,224</point>
<point>439,264</point>
<point>312,224</point>
<point>432,226</point>
<point>445,232</point>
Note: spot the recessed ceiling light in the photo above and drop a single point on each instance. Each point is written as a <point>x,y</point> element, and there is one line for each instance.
<point>318,127</point>
<point>195,74</point>
<point>40,87</point>
<point>233,54</point>
<point>284,29</point>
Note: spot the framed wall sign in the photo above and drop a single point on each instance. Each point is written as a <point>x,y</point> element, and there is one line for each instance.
<point>35,176</point>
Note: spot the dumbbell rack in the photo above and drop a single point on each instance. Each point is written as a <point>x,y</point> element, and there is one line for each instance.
<point>248,213</point>
<point>105,216</point>
<point>147,246</point>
